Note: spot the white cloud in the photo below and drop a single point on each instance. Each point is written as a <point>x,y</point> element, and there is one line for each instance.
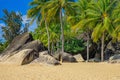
<point>2,24</point>
<point>1,33</point>
<point>33,26</point>
<point>25,19</point>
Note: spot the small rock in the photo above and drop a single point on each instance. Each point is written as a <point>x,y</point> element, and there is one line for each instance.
<point>66,57</point>
<point>94,60</point>
<point>114,59</point>
<point>78,58</point>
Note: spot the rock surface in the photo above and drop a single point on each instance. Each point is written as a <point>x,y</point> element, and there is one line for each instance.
<point>15,45</point>
<point>66,57</point>
<point>78,58</point>
<point>92,51</point>
<point>22,57</point>
<point>45,58</point>
<point>115,59</point>
<point>112,49</point>
<point>36,45</point>
<point>23,50</point>
<point>18,42</point>
<point>94,60</point>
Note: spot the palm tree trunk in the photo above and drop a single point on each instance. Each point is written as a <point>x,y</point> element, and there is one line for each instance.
<point>102,48</point>
<point>88,47</point>
<point>62,30</point>
<point>52,50</point>
<point>48,36</point>
<point>62,34</point>
<point>57,44</point>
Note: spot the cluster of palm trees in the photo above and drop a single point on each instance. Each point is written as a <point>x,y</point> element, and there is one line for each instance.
<point>99,19</point>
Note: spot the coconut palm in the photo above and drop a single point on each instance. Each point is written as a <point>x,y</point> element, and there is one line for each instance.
<point>36,13</point>
<point>100,12</point>
<point>59,8</point>
<point>116,22</point>
<point>82,25</point>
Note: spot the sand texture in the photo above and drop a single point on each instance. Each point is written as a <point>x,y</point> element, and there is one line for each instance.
<point>66,71</point>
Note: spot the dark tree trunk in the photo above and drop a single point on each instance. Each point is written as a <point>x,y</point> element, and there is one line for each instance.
<point>52,50</point>
<point>62,34</point>
<point>62,30</point>
<point>88,38</point>
<point>102,48</point>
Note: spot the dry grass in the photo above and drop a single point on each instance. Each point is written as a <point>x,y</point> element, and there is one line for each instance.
<point>67,71</point>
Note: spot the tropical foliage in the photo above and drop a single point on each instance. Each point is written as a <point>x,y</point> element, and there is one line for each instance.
<point>60,22</point>
<point>74,46</point>
<point>3,46</point>
<point>101,12</point>
<point>98,19</point>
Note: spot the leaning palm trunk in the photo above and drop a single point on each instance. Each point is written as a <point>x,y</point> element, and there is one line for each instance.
<point>88,47</point>
<point>48,36</point>
<point>52,49</point>
<point>102,48</point>
<point>62,34</point>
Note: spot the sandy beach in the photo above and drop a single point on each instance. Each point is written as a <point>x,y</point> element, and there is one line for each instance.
<point>66,71</point>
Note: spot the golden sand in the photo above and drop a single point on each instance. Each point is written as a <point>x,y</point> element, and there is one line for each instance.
<point>66,71</point>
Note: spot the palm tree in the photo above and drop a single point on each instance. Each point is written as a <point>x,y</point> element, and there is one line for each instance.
<point>56,9</point>
<point>83,25</point>
<point>100,12</point>
<point>116,22</point>
<point>36,13</point>
<point>59,8</point>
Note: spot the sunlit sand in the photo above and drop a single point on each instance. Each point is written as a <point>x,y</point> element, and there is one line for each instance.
<point>66,71</point>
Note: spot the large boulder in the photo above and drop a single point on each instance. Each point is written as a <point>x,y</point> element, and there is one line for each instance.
<point>115,59</point>
<point>36,45</point>
<point>92,51</point>
<point>17,43</point>
<point>78,58</point>
<point>66,57</point>
<point>110,46</point>
<point>112,49</point>
<point>44,57</point>
<point>22,57</point>
<point>108,53</point>
<point>7,55</point>
<point>96,58</point>
<point>24,50</point>
<point>21,42</point>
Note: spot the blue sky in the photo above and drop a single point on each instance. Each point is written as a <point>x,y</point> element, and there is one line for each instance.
<point>17,6</point>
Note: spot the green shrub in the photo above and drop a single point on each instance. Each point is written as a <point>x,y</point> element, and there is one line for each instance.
<point>73,46</point>
<point>3,46</point>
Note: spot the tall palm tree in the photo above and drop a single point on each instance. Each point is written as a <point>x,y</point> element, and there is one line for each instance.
<point>100,12</point>
<point>116,22</point>
<point>83,25</point>
<point>59,8</point>
<point>36,13</point>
